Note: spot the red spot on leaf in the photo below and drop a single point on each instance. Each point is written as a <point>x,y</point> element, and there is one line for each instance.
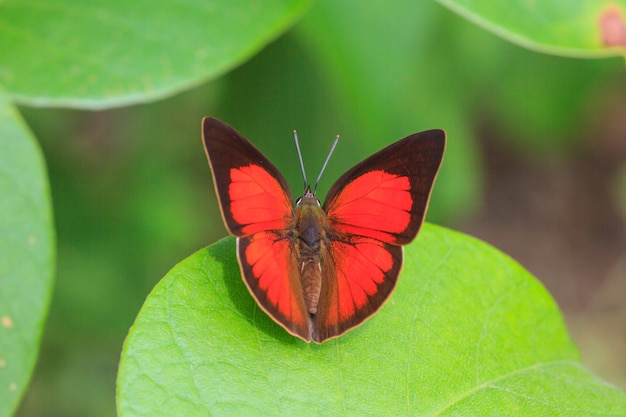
<point>612,27</point>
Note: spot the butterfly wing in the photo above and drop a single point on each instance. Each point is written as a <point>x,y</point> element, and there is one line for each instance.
<point>269,268</point>
<point>371,210</point>
<point>256,206</point>
<point>359,274</point>
<point>253,194</point>
<point>385,197</point>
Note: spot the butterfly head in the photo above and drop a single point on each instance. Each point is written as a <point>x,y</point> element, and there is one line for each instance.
<point>308,198</point>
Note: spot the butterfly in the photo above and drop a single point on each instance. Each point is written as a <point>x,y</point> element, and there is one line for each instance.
<point>321,270</point>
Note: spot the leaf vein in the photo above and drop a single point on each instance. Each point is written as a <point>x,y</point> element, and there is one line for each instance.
<point>491,383</point>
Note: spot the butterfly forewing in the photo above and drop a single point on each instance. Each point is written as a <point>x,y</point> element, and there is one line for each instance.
<point>385,197</point>
<point>253,194</point>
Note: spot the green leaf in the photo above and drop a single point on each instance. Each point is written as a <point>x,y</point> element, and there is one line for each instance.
<point>467,332</point>
<point>111,52</point>
<point>26,254</point>
<point>593,28</point>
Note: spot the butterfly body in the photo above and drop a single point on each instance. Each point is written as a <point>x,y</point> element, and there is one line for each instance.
<point>319,271</point>
<point>310,243</point>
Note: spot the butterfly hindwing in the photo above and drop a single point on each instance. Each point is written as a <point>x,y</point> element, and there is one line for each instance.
<point>270,270</point>
<point>360,274</point>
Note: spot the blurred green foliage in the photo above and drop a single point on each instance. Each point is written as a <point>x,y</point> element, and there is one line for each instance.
<point>131,189</point>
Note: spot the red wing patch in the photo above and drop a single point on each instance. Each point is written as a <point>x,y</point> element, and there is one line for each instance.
<point>376,204</point>
<point>362,273</point>
<point>270,271</point>
<point>257,200</point>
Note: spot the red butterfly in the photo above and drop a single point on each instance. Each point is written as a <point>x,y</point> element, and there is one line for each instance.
<point>320,271</point>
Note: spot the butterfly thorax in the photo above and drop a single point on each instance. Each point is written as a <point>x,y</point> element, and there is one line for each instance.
<point>310,237</point>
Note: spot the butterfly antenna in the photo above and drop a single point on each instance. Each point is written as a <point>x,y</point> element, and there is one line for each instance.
<point>332,149</point>
<point>295,138</point>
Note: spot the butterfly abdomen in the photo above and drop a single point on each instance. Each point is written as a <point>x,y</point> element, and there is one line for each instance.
<point>310,237</point>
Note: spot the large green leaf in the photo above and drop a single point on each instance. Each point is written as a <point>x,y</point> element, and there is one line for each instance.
<point>104,53</point>
<point>573,28</point>
<point>467,332</point>
<point>26,255</point>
